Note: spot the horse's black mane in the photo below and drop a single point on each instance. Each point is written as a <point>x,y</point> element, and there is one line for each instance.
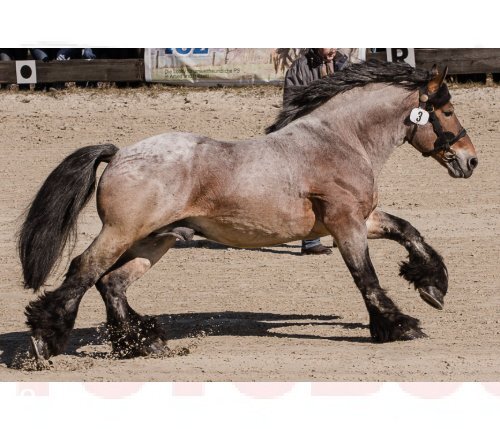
<point>301,100</point>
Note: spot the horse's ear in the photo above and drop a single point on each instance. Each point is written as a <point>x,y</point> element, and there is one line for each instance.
<point>438,80</point>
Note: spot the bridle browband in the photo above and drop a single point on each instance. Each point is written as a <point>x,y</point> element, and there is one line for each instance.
<point>445,139</point>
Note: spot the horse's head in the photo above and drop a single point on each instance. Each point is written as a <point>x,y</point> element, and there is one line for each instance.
<point>437,132</point>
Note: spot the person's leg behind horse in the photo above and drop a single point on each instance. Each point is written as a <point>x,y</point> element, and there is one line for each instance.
<point>314,247</point>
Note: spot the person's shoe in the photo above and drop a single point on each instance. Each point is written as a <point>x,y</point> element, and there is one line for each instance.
<point>316,250</point>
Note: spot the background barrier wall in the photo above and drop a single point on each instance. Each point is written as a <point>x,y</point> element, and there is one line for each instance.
<point>268,67</point>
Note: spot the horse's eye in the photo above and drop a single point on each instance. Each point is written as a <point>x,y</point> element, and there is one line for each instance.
<point>448,113</point>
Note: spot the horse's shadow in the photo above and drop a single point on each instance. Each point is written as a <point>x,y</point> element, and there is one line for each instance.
<point>207,244</point>
<point>190,325</point>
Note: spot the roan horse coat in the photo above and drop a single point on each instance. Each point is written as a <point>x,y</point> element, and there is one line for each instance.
<point>250,193</point>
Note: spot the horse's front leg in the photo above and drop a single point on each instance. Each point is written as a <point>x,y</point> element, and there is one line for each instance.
<point>387,322</point>
<point>425,268</point>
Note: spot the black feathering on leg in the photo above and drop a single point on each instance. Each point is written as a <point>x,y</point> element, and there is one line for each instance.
<point>130,334</point>
<point>51,318</point>
<point>387,322</point>
<point>386,327</point>
<point>137,336</point>
<point>426,269</point>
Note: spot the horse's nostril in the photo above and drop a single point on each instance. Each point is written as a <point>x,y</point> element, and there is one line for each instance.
<point>473,163</point>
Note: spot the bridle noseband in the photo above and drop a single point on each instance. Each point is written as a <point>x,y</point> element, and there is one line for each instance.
<point>445,139</point>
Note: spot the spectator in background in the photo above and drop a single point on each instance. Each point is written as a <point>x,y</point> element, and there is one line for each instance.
<point>68,53</point>
<point>316,63</point>
<point>40,54</point>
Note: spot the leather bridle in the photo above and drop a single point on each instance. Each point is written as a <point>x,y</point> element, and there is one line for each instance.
<point>445,139</point>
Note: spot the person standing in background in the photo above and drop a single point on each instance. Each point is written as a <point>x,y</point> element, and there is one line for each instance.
<point>316,63</point>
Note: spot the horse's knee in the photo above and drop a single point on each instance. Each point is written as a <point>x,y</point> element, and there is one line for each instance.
<point>138,267</point>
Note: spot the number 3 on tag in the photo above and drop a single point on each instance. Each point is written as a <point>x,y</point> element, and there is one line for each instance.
<point>419,116</point>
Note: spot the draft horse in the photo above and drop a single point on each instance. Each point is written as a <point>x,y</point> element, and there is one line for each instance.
<point>314,173</point>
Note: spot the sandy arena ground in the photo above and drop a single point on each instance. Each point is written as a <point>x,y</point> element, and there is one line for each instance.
<point>266,314</point>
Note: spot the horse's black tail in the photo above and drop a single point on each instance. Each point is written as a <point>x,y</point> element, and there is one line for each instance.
<point>52,216</point>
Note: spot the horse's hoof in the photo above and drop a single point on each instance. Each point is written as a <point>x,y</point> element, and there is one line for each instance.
<point>432,296</point>
<point>156,347</point>
<point>153,347</point>
<point>39,349</point>
<point>412,334</point>
<point>394,327</point>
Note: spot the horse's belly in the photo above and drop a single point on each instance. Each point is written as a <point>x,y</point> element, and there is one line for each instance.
<point>256,231</point>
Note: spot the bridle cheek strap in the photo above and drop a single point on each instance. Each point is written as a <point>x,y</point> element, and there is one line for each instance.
<point>445,139</point>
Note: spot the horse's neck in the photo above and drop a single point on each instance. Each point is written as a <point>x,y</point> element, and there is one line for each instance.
<point>374,115</point>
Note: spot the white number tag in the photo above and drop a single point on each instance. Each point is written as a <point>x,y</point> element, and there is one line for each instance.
<point>419,116</point>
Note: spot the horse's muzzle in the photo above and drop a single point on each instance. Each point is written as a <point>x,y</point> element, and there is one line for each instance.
<point>461,167</point>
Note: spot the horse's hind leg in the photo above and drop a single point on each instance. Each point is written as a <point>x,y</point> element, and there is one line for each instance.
<point>425,268</point>
<point>130,333</point>
<point>52,316</point>
<point>387,322</point>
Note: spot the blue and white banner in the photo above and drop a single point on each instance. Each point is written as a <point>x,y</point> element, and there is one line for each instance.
<point>212,66</point>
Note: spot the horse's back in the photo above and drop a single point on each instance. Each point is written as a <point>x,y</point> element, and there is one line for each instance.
<point>160,148</point>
